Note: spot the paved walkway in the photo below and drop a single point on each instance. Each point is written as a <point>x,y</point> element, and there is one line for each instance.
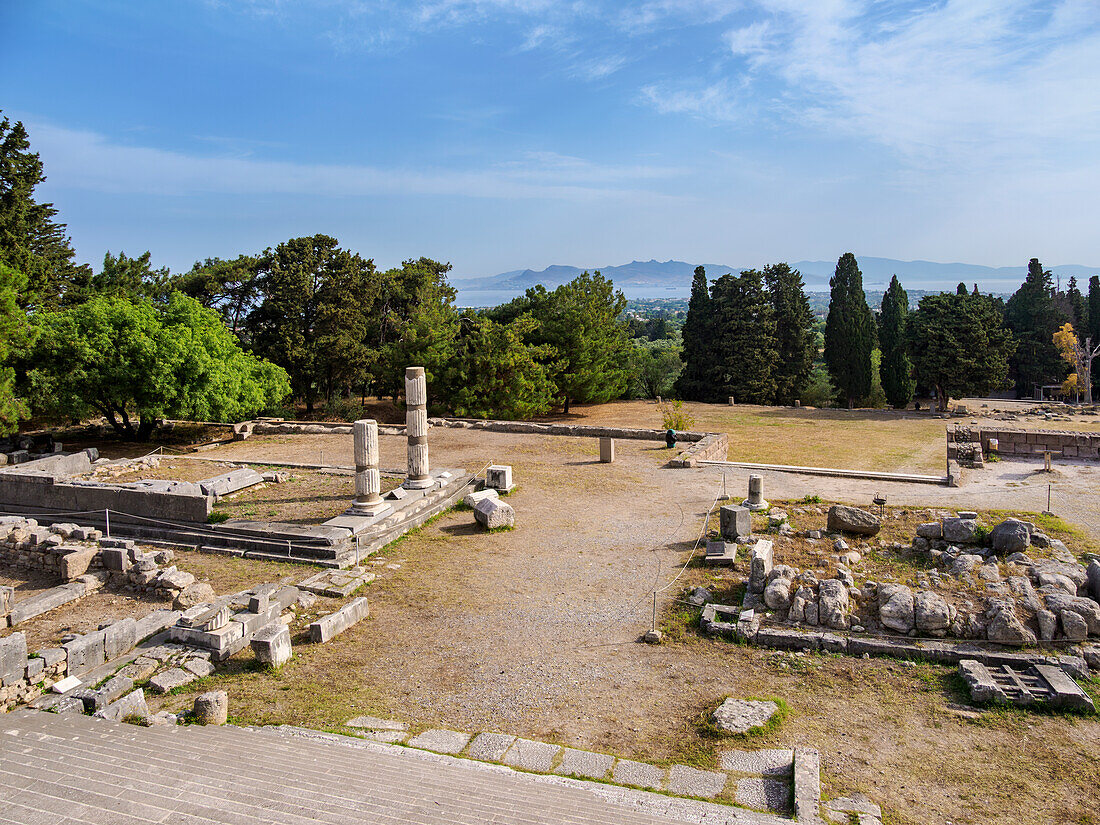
<point>75,769</point>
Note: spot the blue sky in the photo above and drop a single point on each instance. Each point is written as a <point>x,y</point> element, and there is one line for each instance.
<point>503,134</point>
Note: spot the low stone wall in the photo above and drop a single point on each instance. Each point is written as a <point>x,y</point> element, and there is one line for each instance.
<point>711,447</point>
<point>1066,444</point>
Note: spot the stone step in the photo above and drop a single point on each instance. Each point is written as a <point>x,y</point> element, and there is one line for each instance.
<point>53,767</point>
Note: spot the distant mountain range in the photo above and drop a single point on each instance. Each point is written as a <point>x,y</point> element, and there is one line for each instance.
<point>650,275</point>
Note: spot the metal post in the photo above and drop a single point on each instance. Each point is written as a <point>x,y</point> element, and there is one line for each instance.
<point>107,517</point>
<point>1048,498</point>
<point>653,624</point>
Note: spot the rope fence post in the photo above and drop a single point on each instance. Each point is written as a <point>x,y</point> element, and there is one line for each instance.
<point>107,519</point>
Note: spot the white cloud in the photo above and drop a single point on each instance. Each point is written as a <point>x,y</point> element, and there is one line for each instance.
<point>90,161</point>
<point>715,101</point>
<point>748,40</point>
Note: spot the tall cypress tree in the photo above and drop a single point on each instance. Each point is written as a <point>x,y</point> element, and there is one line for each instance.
<point>1079,311</point>
<point>894,369</point>
<point>743,328</point>
<point>1033,317</point>
<point>794,332</point>
<point>1093,325</point>
<point>696,381</point>
<point>849,332</point>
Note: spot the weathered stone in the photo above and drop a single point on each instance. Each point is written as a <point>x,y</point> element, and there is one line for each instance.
<point>930,530</point>
<point>194,594</point>
<point>1058,581</point>
<point>1010,536</point>
<point>171,679</point>
<point>439,740</point>
<point>115,558</point>
<point>1093,574</point>
<point>1073,626</point>
<point>13,657</point>
<point>931,613</point>
<point>699,597</point>
<point>499,477</point>
<point>833,604</point>
<point>845,519</point>
<point>960,530</point>
<point>1005,627</point>
<point>742,715</point>
<point>734,522</point>
<point>471,499</point>
<point>965,563</point>
<point>271,644</point>
<point>490,747</point>
<point>175,580</point>
<point>119,638</point>
<point>493,513</point>
<point>200,667</point>
<point>140,669</point>
<point>130,707</point>
<point>84,653</point>
<point>896,607</point>
<point>1086,608</point>
<point>760,565</point>
<point>777,594</point>
<point>530,755</point>
<point>1047,624</point>
<point>76,563</point>
<point>336,623</point>
<point>583,764</point>
<point>687,781</point>
<point>212,708</point>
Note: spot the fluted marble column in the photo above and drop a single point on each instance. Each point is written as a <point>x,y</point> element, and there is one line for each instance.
<point>416,428</point>
<point>368,481</point>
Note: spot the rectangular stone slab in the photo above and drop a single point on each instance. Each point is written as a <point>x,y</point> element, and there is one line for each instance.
<point>332,625</point>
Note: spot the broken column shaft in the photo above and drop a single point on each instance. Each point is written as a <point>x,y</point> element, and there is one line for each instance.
<point>416,428</point>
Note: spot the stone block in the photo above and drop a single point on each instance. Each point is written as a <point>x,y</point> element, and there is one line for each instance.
<point>67,684</point>
<point>490,747</point>
<point>492,513</point>
<point>35,668</point>
<point>140,670</point>
<point>13,657</point>
<point>440,741</point>
<point>766,762</point>
<point>76,563</point>
<point>607,450</point>
<point>639,774</point>
<point>720,552</point>
<point>271,644</point>
<point>332,625</point>
<point>155,622</point>
<point>529,755</point>
<point>222,640</point>
<point>499,477</point>
<point>119,638</point>
<point>171,679</point>
<point>116,558</point>
<point>584,764</point>
<point>471,500</point>
<point>763,794</point>
<point>252,622</point>
<point>200,667</point>
<point>130,706</point>
<point>734,522</point>
<point>760,565</point>
<point>687,781</point>
<point>85,653</point>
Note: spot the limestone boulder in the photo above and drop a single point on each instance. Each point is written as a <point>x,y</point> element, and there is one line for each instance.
<point>1073,626</point>
<point>195,593</point>
<point>777,595</point>
<point>742,715</point>
<point>965,564</point>
<point>833,604</point>
<point>1087,609</point>
<point>1057,581</point>
<point>930,530</point>
<point>960,530</point>
<point>843,519</point>
<point>1010,536</point>
<point>895,609</point>
<point>1048,623</point>
<point>1005,627</point>
<point>493,513</point>
<point>1093,579</point>
<point>931,614</point>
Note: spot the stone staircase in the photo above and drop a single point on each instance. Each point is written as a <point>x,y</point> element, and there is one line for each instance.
<point>75,769</point>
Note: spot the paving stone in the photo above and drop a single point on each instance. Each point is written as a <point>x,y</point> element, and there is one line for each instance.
<point>170,679</point>
<point>375,723</point>
<point>200,667</point>
<point>490,747</point>
<point>764,762</point>
<point>439,740</point>
<point>337,584</point>
<point>532,756</point>
<point>334,624</point>
<point>628,772</point>
<point>688,781</point>
<point>764,794</point>
<point>584,764</point>
<point>140,669</point>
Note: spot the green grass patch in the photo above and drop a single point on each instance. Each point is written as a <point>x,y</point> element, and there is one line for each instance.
<point>217,517</point>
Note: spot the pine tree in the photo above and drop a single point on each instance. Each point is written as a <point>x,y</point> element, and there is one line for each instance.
<point>849,332</point>
<point>16,334</point>
<point>1078,309</point>
<point>1033,318</point>
<point>745,347</point>
<point>895,369</point>
<point>31,242</point>
<point>696,381</point>
<point>796,343</point>
<point>1093,319</point>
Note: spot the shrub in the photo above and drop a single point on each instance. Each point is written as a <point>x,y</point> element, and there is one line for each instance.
<point>674,416</point>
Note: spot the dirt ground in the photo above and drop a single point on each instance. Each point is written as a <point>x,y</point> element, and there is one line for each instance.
<point>535,631</point>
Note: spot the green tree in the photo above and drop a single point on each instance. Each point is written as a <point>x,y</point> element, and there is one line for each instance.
<point>120,276</point>
<point>1033,317</point>
<point>849,332</point>
<point>15,336</point>
<point>31,241</point>
<point>959,345</point>
<point>590,353</point>
<point>494,374</point>
<point>313,319</point>
<point>1093,314</point>
<point>655,370</point>
<point>1078,309</point>
<point>416,325</point>
<point>796,341</point>
<point>895,369</point>
<point>123,359</point>
<point>228,287</point>
<point>745,347</point>
<point>696,380</point>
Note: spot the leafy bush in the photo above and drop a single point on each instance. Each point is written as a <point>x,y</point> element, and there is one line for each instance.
<point>674,416</point>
